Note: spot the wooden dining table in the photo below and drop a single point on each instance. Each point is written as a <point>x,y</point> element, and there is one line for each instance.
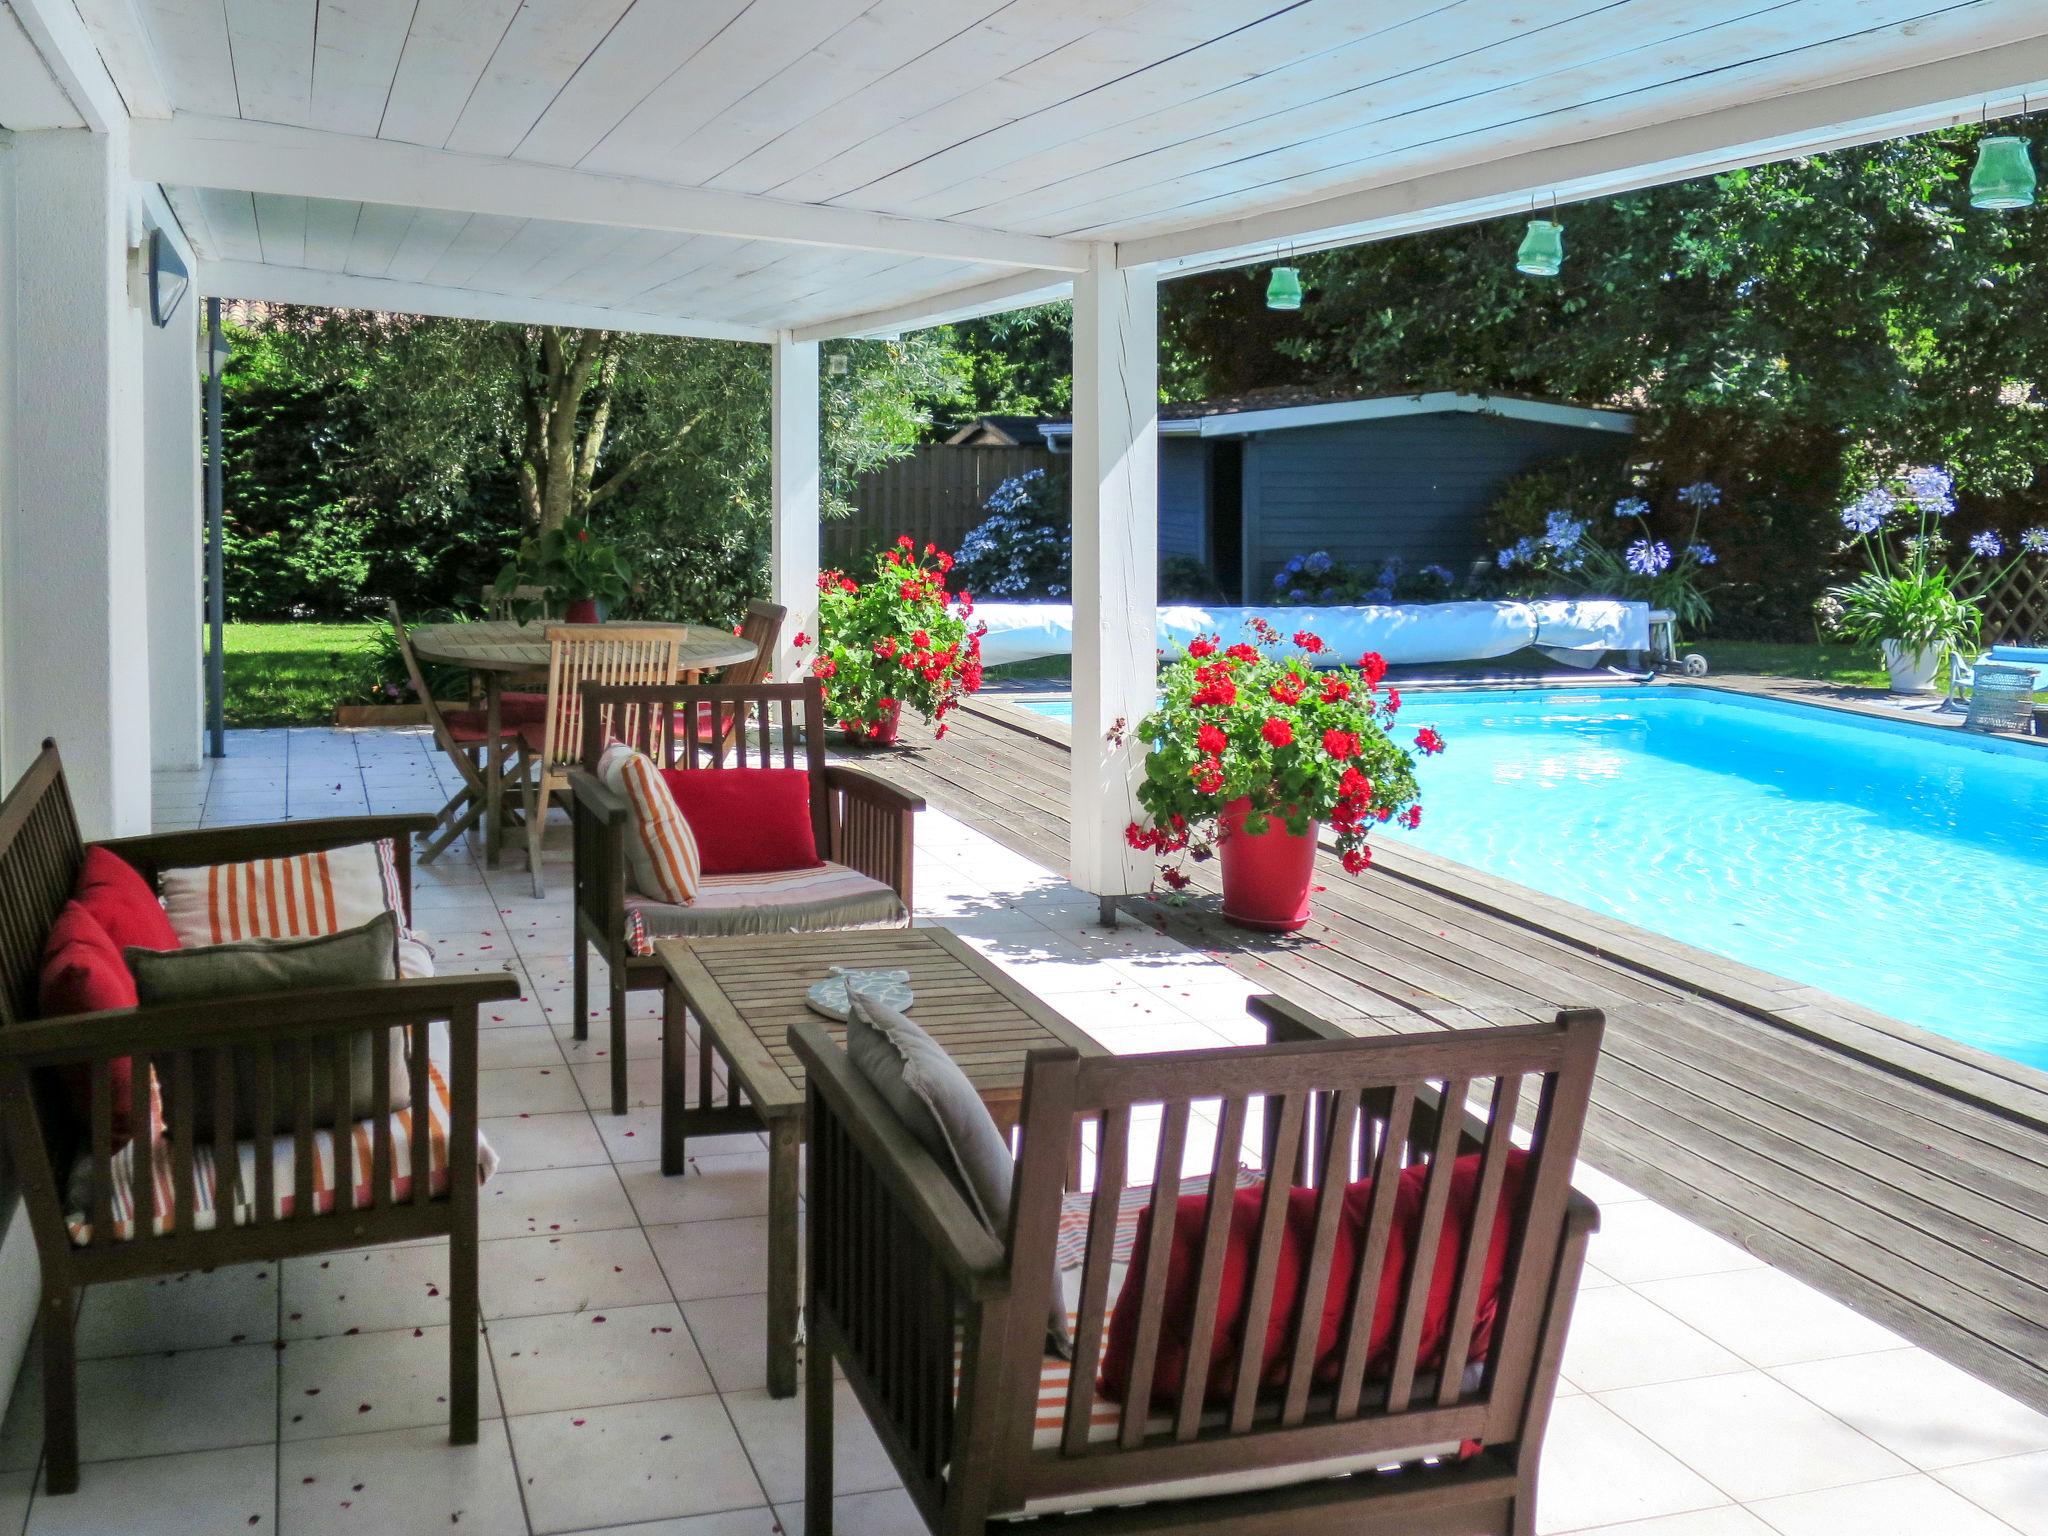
<point>497,649</point>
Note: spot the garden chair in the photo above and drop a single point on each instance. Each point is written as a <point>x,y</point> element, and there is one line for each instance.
<point>612,655</point>
<point>376,1180</point>
<point>763,627</point>
<point>862,827</point>
<point>1402,1403</point>
<point>464,736</point>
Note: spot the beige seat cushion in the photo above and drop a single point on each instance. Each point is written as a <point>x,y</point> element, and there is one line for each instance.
<point>789,901</point>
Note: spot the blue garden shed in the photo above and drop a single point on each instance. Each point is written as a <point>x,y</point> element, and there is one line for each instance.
<point>1247,483</point>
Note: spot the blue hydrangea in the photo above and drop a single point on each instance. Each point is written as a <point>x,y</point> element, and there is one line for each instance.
<point>2035,541</point>
<point>1987,544</point>
<point>1631,506</point>
<point>1702,555</point>
<point>1318,564</point>
<point>1445,575</point>
<point>1281,578</point>
<point>1866,514</point>
<point>1933,489</point>
<point>1649,557</point>
<point>1297,596</point>
<point>1700,495</point>
<point>1015,492</point>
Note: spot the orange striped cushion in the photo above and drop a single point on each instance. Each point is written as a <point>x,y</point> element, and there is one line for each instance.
<point>301,895</point>
<point>659,844</point>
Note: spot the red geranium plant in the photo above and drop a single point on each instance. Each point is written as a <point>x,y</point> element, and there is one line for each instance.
<point>899,639</point>
<point>1260,722</point>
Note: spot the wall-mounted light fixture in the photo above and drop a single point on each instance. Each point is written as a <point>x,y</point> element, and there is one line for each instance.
<point>168,279</point>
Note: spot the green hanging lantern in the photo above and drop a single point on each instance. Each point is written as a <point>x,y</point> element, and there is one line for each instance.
<point>2004,177</point>
<point>1542,249</point>
<point>1284,290</point>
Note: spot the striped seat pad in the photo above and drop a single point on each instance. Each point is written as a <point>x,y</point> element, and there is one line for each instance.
<point>283,1149</point>
<point>786,901</point>
<point>294,896</point>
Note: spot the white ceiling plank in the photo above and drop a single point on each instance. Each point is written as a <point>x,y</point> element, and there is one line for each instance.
<point>1911,99</point>
<point>355,60</point>
<point>272,47</point>
<point>542,49</point>
<point>273,158</point>
<point>446,51</point>
<point>232,218</point>
<point>761,41</point>
<point>30,96</point>
<point>380,229</point>
<point>574,250</point>
<point>597,280</point>
<point>300,285</point>
<point>281,229</point>
<point>426,241</point>
<point>1018,290</point>
<point>649,43</point>
<point>129,53</point>
<point>330,231</point>
<point>192,219</point>
<point>72,60</point>
<point>190,41</point>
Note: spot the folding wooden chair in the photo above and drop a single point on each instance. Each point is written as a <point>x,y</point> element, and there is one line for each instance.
<point>463,734</point>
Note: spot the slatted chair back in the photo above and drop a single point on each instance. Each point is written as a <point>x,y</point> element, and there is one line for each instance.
<point>516,604</point>
<point>416,675</point>
<point>705,727</point>
<point>611,656</point>
<point>762,628</point>
<point>40,852</point>
<point>1325,1114</point>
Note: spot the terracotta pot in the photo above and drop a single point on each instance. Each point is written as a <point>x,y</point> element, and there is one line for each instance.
<point>892,719</point>
<point>1266,875</point>
<point>582,611</point>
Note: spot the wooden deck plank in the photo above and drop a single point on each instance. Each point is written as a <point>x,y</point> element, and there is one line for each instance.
<point>1898,1172</point>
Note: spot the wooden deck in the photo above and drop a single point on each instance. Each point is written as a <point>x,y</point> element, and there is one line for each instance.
<point>1906,1175</point>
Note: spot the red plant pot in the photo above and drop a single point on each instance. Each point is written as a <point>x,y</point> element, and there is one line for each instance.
<point>582,611</point>
<point>1266,875</point>
<point>861,736</point>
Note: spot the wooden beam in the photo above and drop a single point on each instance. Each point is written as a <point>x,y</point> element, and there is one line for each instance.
<point>32,98</point>
<point>341,290</point>
<point>125,48</point>
<point>232,154</point>
<point>74,62</point>
<point>1902,101</point>
<point>1019,291</point>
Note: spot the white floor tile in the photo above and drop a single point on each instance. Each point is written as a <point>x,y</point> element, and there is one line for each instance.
<point>2015,1489</point>
<point>1618,1339</point>
<point>554,1200</point>
<point>364,1382</point>
<point>1904,1506</point>
<point>637,1461</point>
<point>713,1258</point>
<point>596,1358</point>
<point>1921,1407</point>
<point>523,1277</point>
<point>406,1482</point>
<point>1769,1317</point>
<point>1728,1520</point>
<point>196,1310</point>
<point>206,1494</point>
<point>366,1291</point>
<point>1640,1240</point>
<point>526,1142</point>
<point>1598,1471</point>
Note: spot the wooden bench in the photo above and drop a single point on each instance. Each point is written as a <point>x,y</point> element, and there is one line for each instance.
<point>940,1326</point>
<point>40,854</point>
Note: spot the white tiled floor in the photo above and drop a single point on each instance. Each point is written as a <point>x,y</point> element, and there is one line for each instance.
<point>1706,1394</point>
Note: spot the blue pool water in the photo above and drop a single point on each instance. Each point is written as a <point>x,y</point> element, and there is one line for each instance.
<point>1898,867</point>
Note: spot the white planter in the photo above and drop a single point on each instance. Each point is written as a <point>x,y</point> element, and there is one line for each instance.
<point>1912,671</point>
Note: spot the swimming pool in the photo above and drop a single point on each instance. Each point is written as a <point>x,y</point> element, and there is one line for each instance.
<point>1892,865</point>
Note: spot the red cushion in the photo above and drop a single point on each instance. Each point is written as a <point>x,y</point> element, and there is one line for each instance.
<point>84,973</point>
<point>112,891</point>
<point>1297,1239</point>
<point>747,821</point>
<point>517,708</point>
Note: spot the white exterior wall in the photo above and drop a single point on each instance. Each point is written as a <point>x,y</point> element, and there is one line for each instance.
<point>73,597</point>
<point>794,455</point>
<point>1116,563</point>
<point>173,541</point>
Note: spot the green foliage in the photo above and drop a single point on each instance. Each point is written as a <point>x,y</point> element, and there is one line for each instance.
<point>1015,364</point>
<point>569,565</point>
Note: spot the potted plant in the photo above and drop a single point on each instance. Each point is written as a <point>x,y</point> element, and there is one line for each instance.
<point>1910,602</point>
<point>579,574</point>
<point>1252,749</point>
<point>899,638</point>
<point>1631,562</point>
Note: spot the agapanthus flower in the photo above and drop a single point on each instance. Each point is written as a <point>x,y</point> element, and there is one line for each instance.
<point>1631,506</point>
<point>1933,489</point>
<point>1700,495</point>
<point>1987,544</point>
<point>2035,541</point>
<point>1702,555</point>
<point>1561,530</point>
<point>1518,553</point>
<point>1648,557</point>
<point>1866,514</point>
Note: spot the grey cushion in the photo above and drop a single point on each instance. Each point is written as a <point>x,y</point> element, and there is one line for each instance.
<point>790,901</point>
<point>932,1098</point>
<point>350,958</point>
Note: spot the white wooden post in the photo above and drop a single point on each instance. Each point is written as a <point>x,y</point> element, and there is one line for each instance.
<point>174,512</point>
<point>794,473</point>
<point>75,600</point>
<point>1116,565</point>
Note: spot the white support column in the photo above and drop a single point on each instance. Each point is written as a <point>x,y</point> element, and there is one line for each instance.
<point>794,452</point>
<point>174,537</point>
<point>1116,563</point>
<point>74,602</point>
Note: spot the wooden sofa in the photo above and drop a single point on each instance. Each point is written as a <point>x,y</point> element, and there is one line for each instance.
<point>40,854</point>
<point>901,1275</point>
<point>858,821</point>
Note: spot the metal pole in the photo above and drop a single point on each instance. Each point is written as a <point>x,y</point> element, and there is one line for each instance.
<point>216,603</point>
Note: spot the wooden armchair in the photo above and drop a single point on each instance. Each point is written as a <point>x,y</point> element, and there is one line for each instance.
<point>40,854</point>
<point>1433,1430</point>
<point>862,825</point>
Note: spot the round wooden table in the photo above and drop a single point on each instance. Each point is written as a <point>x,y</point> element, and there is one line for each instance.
<point>501,648</point>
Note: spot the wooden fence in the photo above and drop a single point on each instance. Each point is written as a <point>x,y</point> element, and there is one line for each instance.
<point>934,494</point>
<point>2016,610</point>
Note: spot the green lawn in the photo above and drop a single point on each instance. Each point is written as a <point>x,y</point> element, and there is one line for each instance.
<point>294,674</point>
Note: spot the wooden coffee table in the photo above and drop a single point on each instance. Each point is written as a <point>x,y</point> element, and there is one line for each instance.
<point>747,992</point>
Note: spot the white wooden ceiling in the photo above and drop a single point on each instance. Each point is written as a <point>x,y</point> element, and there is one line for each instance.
<point>1156,125</point>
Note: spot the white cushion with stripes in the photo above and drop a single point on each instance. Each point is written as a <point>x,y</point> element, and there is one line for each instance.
<point>660,848</point>
<point>300,895</point>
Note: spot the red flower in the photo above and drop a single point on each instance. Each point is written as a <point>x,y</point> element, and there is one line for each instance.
<point>1263,630</point>
<point>1211,740</point>
<point>946,565</point>
<point>910,592</point>
<point>1242,652</point>
<point>824,666</point>
<point>1221,691</point>
<point>1357,860</point>
<point>1201,646</point>
<point>1287,690</point>
<point>1374,666</point>
<point>1355,786</point>
<point>886,647</point>
<point>1393,701</point>
<point>921,639</point>
<point>905,541</point>
<point>1308,641</point>
<point>1412,817</point>
<point>940,732</point>
<point>1340,744</point>
<point>1336,690</point>
<point>848,584</point>
<point>875,730</point>
<point>1429,741</point>
<point>930,548</point>
<point>1175,878</point>
<point>801,640</point>
<point>1208,776</point>
<point>582,535</point>
<point>1277,731</point>
<point>1139,837</point>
